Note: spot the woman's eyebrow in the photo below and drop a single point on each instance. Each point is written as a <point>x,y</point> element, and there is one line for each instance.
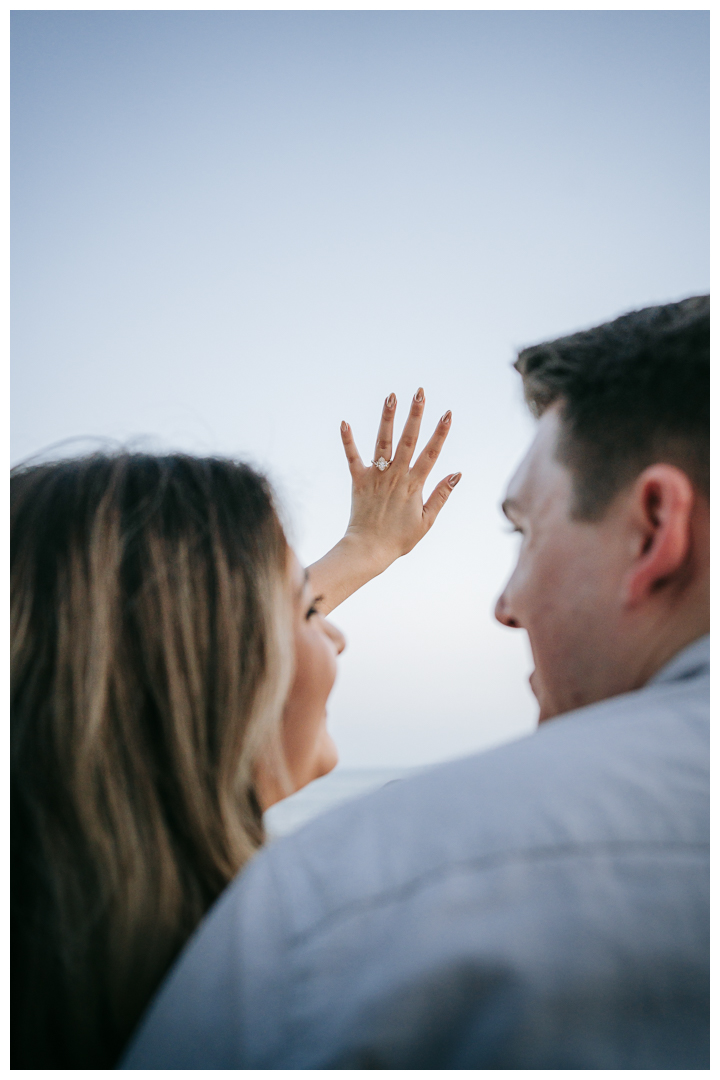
<point>306,578</point>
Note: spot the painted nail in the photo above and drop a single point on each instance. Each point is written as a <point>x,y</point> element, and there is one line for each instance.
<point>343,427</point>
<point>446,418</point>
<point>420,396</point>
<point>454,479</point>
<point>390,401</point>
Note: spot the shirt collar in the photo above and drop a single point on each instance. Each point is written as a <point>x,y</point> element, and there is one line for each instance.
<point>692,660</point>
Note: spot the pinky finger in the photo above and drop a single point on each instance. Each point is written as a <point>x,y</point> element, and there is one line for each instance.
<point>439,497</point>
<point>351,451</point>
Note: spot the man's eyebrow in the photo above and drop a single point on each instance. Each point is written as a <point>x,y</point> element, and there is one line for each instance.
<point>509,505</point>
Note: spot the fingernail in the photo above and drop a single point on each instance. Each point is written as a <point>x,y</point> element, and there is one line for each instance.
<point>446,418</point>
<point>420,396</point>
<point>390,401</point>
<point>454,479</point>
<point>343,426</point>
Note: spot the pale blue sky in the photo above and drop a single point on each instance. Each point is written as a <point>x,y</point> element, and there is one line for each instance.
<point>231,230</point>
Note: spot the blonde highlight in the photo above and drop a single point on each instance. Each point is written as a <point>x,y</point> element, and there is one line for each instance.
<point>151,660</point>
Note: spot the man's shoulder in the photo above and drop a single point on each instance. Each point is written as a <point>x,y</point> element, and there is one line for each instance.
<point>600,814</point>
<point>628,770</point>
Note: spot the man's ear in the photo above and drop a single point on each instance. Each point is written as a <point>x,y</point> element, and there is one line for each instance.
<point>661,507</point>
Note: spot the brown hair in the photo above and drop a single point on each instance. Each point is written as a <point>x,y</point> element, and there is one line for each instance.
<point>151,657</point>
<point>633,391</point>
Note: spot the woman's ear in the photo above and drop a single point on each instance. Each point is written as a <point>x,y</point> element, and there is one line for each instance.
<point>661,508</point>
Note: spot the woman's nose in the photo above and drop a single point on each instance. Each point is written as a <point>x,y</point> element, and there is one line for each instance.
<point>335,635</point>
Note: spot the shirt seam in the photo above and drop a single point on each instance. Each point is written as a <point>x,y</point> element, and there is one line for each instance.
<point>489,862</point>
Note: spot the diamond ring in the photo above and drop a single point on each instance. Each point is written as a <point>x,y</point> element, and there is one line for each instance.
<point>381,464</point>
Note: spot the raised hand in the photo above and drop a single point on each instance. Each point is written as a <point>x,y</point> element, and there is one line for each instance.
<point>388,515</point>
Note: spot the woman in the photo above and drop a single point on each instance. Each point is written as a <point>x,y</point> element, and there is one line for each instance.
<point>170,668</point>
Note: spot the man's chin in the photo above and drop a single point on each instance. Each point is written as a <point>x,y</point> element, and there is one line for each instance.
<point>547,712</point>
<point>536,689</point>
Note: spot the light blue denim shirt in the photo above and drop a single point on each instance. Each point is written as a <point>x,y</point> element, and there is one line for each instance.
<point>543,905</point>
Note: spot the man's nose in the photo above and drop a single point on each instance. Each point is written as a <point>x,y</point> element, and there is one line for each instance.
<point>336,636</point>
<point>503,610</point>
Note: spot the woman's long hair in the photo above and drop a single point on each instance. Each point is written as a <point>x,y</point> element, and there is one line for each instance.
<point>151,658</point>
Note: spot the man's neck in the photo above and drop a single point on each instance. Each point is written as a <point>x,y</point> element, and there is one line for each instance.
<point>666,636</point>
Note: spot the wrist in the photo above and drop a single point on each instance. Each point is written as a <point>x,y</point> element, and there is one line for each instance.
<point>370,557</point>
<point>348,566</point>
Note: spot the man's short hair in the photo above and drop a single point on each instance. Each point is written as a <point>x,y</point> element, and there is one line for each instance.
<point>633,392</point>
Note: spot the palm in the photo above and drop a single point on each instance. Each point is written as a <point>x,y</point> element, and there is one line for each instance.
<point>387,501</point>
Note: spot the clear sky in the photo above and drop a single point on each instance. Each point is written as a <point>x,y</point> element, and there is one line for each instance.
<point>232,230</point>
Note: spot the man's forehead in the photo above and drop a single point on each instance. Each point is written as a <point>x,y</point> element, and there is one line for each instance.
<point>533,469</point>
<point>517,494</point>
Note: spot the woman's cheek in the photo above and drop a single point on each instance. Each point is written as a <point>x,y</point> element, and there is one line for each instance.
<point>315,669</point>
<point>320,658</point>
<point>331,664</point>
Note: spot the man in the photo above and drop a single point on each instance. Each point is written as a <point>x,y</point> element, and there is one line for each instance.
<point>543,905</point>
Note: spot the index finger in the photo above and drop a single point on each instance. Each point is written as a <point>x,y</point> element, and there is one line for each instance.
<point>354,460</point>
<point>409,437</point>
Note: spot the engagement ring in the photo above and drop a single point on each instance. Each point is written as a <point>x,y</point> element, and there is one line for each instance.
<point>381,464</point>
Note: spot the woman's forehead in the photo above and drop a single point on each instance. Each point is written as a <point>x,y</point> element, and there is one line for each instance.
<point>297,574</point>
